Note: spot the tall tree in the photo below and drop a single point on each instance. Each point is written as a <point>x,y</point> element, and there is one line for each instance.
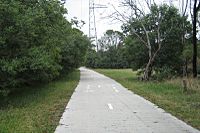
<point>156,30</point>
<point>158,23</point>
<point>111,53</point>
<point>110,39</point>
<point>196,8</point>
<point>37,43</point>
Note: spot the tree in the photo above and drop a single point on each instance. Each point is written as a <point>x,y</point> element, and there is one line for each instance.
<point>37,43</point>
<point>137,53</point>
<point>152,29</point>
<point>158,31</point>
<point>196,8</point>
<point>111,53</point>
<point>110,38</point>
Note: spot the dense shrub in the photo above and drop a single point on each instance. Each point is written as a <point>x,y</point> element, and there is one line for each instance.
<point>112,58</point>
<point>164,72</point>
<point>111,52</point>
<point>37,43</point>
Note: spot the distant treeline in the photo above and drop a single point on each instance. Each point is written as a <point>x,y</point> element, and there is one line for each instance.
<point>110,52</point>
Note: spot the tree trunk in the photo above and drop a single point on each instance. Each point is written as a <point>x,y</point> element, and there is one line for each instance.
<point>194,62</point>
<point>147,72</point>
<point>185,68</point>
<point>147,68</point>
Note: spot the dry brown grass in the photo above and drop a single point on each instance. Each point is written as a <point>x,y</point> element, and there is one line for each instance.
<point>191,83</point>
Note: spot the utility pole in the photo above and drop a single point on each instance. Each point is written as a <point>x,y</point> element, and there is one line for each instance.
<point>92,21</point>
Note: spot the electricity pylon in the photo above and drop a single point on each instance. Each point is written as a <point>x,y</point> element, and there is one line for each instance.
<point>92,21</point>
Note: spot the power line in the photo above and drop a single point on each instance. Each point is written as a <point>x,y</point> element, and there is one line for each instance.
<point>92,21</point>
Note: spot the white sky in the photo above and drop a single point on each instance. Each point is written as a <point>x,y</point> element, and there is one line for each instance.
<point>80,9</point>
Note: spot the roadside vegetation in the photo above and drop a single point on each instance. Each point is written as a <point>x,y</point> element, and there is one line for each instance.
<point>37,43</point>
<point>158,42</point>
<point>167,94</point>
<point>159,45</point>
<point>39,47</point>
<point>39,52</point>
<point>37,109</point>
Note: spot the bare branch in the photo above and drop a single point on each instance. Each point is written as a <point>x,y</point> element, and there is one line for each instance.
<point>141,39</point>
<point>114,16</point>
<point>123,16</point>
<point>198,7</point>
<point>142,10</point>
<point>148,3</point>
<point>185,8</point>
<point>191,10</point>
<point>134,7</point>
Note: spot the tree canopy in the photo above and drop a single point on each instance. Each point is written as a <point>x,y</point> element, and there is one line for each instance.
<point>37,43</point>
<point>111,53</point>
<point>169,51</point>
<point>151,41</point>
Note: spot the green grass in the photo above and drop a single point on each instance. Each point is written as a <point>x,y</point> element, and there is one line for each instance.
<point>169,96</point>
<point>38,109</point>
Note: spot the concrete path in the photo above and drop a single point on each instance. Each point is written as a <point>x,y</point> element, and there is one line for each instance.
<point>101,105</point>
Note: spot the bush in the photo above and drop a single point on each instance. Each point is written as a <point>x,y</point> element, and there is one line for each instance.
<point>106,59</point>
<point>163,73</point>
<point>37,43</point>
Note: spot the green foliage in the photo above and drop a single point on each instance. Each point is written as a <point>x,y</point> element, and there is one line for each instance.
<point>136,53</point>
<point>111,53</point>
<point>112,58</point>
<point>164,72</point>
<point>170,54</point>
<point>37,43</point>
<point>187,52</point>
<point>92,59</point>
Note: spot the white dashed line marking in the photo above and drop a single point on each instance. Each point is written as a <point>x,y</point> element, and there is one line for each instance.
<point>88,86</point>
<point>89,89</point>
<point>115,89</point>
<point>110,106</point>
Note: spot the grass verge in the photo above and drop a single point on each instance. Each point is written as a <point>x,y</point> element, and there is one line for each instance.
<point>37,109</point>
<point>169,96</point>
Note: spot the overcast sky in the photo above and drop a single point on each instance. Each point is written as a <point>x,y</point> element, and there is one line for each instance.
<point>80,9</point>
